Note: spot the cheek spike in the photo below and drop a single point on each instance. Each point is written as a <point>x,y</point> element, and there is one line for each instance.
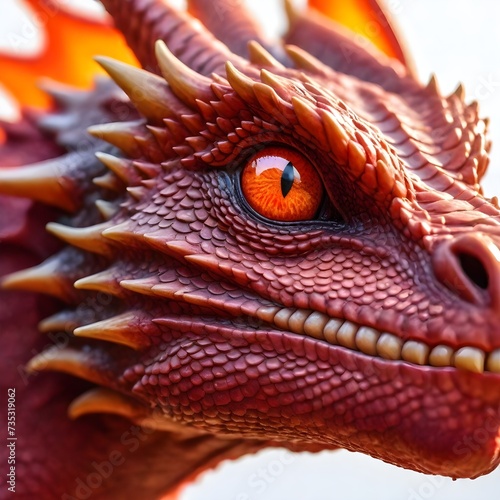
<point>86,238</point>
<point>76,362</point>
<point>44,278</point>
<point>120,134</point>
<point>104,282</point>
<point>125,329</point>
<point>107,401</point>
<point>101,400</point>
<point>44,182</point>
<point>121,167</point>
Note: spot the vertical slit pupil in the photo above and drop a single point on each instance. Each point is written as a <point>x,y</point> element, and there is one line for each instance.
<point>287,178</point>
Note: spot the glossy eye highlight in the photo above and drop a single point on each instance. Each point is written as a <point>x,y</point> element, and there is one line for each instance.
<point>281,184</point>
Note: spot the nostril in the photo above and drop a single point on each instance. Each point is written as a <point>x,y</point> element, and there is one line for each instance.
<point>473,269</point>
<point>469,265</point>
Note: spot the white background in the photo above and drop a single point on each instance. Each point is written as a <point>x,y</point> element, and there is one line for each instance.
<point>459,41</point>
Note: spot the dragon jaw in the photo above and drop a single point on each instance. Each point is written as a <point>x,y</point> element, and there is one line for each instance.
<point>286,309</point>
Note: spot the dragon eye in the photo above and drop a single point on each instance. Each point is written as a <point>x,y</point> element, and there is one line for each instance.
<point>280,184</point>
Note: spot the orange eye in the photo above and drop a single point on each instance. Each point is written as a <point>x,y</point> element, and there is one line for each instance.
<point>280,184</point>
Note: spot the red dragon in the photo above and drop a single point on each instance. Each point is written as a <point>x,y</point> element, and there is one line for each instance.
<point>233,244</point>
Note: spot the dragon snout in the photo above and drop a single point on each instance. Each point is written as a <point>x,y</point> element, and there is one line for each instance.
<point>469,265</point>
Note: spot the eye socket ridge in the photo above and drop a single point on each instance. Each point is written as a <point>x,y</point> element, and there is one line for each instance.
<point>281,184</point>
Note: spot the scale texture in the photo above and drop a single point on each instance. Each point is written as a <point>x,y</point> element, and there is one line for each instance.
<point>231,243</point>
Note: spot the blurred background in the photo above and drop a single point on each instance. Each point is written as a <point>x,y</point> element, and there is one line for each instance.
<point>459,41</point>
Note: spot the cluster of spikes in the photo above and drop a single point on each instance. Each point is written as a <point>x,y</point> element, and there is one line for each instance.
<point>180,116</point>
<point>175,115</point>
<point>187,118</point>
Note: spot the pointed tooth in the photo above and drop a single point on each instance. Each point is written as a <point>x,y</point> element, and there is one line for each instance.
<point>346,335</point>
<point>415,352</point>
<point>44,278</point>
<point>186,84</point>
<point>331,329</point>
<point>121,167</point>
<point>67,360</point>
<point>259,56</point>
<point>366,340</point>
<point>389,346</point>
<point>101,400</point>
<point>315,324</point>
<point>470,359</point>
<point>297,320</point>
<point>107,209</point>
<point>441,355</point>
<point>493,363</point>
<point>87,238</point>
<point>148,92</point>
<point>44,182</point>
<point>123,329</point>
<point>242,84</point>
<point>303,60</point>
<point>104,282</point>
<point>121,135</point>
<point>282,317</point>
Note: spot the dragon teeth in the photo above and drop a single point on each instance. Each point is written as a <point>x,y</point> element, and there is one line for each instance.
<point>346,336</point>
<point>381,344</point>
<point>415,352</point>
<point>441,355</point>
<point>493,363</point>
<point>389,346</point>
<point>282,317</point>
<point>297,319</point>
<point>331,329</point>
<point>470,358</point>
<point>315,325</point>
<point>366,340</point>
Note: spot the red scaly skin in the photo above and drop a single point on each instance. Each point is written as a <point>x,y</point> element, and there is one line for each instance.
<point>375,322</point>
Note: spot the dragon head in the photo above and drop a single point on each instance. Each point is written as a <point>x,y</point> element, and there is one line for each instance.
<point>285,246</point>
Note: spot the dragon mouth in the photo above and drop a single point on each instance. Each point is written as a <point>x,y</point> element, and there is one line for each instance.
<point>301,322</point>
<point>377,343</point>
